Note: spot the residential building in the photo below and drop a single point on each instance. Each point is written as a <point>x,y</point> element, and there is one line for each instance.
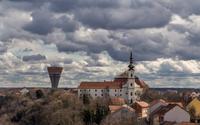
<point>141,108</point>
<point>119,113</point>
<point>194,108</point>
<point>156,104</point>
<point>170,113</point>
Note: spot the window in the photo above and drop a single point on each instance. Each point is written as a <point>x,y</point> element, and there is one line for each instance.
<point>95,94</point>
<point>131,75</point>
<point>101,94</point>
<point>102,90</point>
<point>131,94</point>
<point>131,84</point>
<point>120,90</point>
<point>89,90</point>
<point>115,90</point>
<point>115,95</point>
<point>120,94</point>
<point>95,90</point>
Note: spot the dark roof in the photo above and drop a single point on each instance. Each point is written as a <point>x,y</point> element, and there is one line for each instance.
<point>163,109</point>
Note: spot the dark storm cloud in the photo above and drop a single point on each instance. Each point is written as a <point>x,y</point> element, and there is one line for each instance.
<point>190,49</point>
<point>183,8</point>
<point>115,16</point>
<point>63,5</point>
<point>37,57</point>
<point>44,22</point>
<point>110,14</point>
<point>119,48</point>
<point>123,18</point>
<point>28,5</point>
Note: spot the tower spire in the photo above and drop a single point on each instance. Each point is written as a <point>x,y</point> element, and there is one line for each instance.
<point>131,65</point>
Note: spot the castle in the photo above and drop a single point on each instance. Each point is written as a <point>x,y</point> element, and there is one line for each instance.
<point>126,86</point>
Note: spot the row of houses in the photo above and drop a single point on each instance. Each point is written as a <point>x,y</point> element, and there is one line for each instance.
<point>128,87</point>
<point>158,112</point>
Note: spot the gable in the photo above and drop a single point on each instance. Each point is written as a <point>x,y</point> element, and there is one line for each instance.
<point>177,114</point>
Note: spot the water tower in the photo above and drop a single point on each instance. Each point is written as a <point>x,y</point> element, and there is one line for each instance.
<point>54,74</point>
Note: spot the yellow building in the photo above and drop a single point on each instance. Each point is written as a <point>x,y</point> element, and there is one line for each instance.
<point>194,108</point>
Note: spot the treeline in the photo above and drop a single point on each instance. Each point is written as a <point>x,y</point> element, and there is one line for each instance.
<point>52,108</point>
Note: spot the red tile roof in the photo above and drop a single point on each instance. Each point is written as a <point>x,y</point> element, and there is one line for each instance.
<point>100,85</point>
<point>117,101</point>
<point>142,104</point>
<point>114,108</point>
<point>116,84</point>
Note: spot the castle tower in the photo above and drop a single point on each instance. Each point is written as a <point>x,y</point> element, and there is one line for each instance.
<point>54,74</point>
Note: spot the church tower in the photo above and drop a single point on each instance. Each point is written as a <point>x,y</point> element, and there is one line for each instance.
<point>131,80</point>
<point>131,67</point>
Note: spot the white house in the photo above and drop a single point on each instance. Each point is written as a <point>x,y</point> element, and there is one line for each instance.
<point>125,85</point>
<point>169,113</point>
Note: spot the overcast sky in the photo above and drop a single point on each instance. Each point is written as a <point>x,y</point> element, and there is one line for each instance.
<point>92,40</point>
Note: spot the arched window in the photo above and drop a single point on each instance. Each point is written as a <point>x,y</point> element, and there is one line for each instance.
<point>131,84</point>
<point>131,93</point>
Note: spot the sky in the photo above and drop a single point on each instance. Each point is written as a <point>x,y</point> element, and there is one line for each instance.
<point>92,40</point>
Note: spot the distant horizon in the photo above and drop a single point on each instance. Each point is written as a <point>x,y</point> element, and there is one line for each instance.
<point>68,87</point>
